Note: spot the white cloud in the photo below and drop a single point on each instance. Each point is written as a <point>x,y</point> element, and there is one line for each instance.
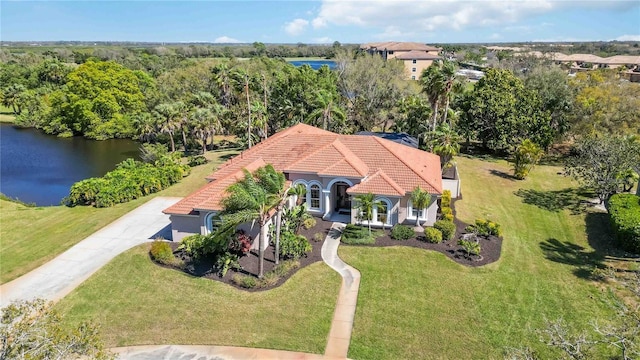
<point>323,40</point>
<point>628,38</point>
<point>296,27</point>
<point>495,36</point>
<point>226,40</point>
<point>419,16</point>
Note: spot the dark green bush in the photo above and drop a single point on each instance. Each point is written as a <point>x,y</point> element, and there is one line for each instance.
<point>447,228</point>
<point>402,232</point>
<point>433,235</point>
<point>624,215</point>
<point>197,160</point>
<point>226,261</point>
<point>357,235</point>
<point>161,252</point>
<point>470,247</point>
<point>293,246</point>
<point>129,181</point>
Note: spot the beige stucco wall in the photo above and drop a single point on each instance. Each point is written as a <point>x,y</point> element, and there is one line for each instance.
<point>393,213</point>
<point>453,186</point>
<point>399,52</point>
<point>403,216</point>
<point>418,66</point>
<point>184,225</point>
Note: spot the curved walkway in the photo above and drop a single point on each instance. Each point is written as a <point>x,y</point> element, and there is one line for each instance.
<point>342,324</point>
<point>60,276</point>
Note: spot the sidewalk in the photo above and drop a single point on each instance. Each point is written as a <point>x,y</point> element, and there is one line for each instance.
<point>202,352</point>
<point>342,324</point>
<point>60,276</point>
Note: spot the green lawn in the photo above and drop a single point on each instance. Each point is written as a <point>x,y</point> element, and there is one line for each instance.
<point>419,304</point>
<point>32,236</point>
<point>6,114</point>
<point>137,302</point>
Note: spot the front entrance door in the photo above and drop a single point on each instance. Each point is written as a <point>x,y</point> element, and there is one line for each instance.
<point>343,201</point>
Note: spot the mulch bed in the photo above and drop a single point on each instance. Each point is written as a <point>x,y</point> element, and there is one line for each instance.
<point>249,263</point>
<point>491,246</point>
<point>490,252</point>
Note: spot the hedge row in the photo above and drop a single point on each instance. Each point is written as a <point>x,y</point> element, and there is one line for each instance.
<point>130,180</point>
<point>624,211</point>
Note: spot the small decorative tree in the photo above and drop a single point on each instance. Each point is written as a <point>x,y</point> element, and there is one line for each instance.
<point>420,199</point>
<point>365,204</point>
<point>525,158</point>
<point>470,247</point>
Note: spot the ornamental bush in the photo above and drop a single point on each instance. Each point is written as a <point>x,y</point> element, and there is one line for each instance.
<point>485,227</point>
<point>447,228</point>
<point>402,232</point>
<point>161,252</point>
<point>433,235</point>
<point>446,199</point>
<point>624,215</point>
<point>446,211</point>
<point>309,222</point>
<point>293,246</point>
<point>357,235</point>
<point>130,180</point>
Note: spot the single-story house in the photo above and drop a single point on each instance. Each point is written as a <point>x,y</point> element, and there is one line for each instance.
<point>333,168</point>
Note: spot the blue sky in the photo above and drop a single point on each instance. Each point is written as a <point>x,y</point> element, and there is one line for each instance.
<point>321,21</point>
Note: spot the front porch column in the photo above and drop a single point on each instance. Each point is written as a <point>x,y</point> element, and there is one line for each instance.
<point>327,203</point>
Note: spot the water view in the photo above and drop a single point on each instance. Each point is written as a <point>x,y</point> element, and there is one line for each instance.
<point>315,64</point>
<point>39,168</point>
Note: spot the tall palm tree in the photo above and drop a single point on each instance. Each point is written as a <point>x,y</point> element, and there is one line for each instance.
<point>299,191</point>
<point>253,198</point>
<point>420,199</point>
<point>365,203</point>
<point>169,121</point>
<point>145,126</point>
<point>200,120</point>
<point>438,81</point>
<point>445,142</point>
<point>326,108</point>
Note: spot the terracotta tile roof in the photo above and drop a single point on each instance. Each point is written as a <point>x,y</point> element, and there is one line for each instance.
<point>378,183</point>
<point>306,149</point>
<point>417,55</point>
<point>399,46</point>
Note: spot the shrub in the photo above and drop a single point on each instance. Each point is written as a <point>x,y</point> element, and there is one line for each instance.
<point>226,261</point>
<point>526,156</point>
<point>446,199</point>
<point>309,222</point>
<point>286,266</point>
<point>317,237</point>
<point>161,252</point>
<point>293,246</point>
<point>470,247</point>
<point>624,215</point>
<point>433,235</point>
<point>150,153</point>
<point>446,211</point>
<point>245,281</point>
<point>447,228</point>
<point>487,227</point>
<point>402,232</point>
<point>240,242</point>
<point>448,217</point>
<point>197,160</point>
<point>357,235</point>
<point>130,180</point>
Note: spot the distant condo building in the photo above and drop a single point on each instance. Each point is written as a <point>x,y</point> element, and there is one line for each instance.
<point>415,56</point>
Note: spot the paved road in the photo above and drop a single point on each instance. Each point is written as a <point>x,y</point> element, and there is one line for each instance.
<point>60,276</point>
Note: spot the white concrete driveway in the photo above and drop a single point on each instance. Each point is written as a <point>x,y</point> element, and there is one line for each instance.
<point>60,276</point>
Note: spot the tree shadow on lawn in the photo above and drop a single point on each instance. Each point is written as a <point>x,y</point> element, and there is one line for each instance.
<point>600,238</point>
<point>502,174</point>
<point>574,199</point>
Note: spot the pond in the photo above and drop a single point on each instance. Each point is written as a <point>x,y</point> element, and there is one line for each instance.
<point>315,64</point>
<point>39,168</point>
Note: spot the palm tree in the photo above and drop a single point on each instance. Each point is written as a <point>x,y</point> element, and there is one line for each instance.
<point>145,125</point>
<point>200,120</point>
<point>326,108</point>
<point>11,97</point>
<point>420,199</point>
<point>299,191</point>
<point>365,203</point>
<point>438,81</point>
<point>444,142</point>
<point>253,198</point>
<point>169,121</point>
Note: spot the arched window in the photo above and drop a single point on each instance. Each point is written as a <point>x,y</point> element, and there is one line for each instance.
<point>381,212</point>
<point>314,197</point>
<point>212,222</point>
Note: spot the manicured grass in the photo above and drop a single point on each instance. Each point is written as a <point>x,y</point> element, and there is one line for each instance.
<point>137,302</point>
<point>419,304</point>
<point>6,115</point>
<point>32,236</point>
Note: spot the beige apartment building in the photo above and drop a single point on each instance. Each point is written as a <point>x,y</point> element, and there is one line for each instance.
<point>415,56</point>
